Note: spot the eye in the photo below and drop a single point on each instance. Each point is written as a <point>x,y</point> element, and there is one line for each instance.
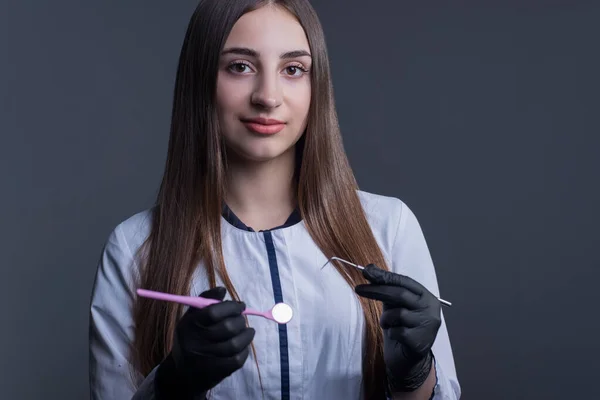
<point>238,67</point>
<point>296,70</point>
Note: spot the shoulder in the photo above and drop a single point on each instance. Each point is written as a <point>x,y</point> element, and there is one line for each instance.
<point>384,214</point>
<point>392,221</point>
<point>121,248</point>
<point>386,211</point>
<point>134,230</point>
<point>117,269</point>
<point>380,209</point>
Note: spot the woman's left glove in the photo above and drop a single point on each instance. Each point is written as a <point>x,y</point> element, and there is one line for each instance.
<point>410,320</point>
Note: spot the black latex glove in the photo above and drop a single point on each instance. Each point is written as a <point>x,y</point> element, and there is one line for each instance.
<point>410,320</point>
<point>210,344</point>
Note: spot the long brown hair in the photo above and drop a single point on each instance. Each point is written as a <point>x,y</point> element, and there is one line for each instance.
<point>186,217</point>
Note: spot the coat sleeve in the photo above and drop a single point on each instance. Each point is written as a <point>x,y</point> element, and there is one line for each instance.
<point>411,257</point>
<point>111,326</point>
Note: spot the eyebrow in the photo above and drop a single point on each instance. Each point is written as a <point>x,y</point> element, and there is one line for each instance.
<point>244,51</point>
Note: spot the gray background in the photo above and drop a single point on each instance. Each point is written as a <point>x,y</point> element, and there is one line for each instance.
<point>482,117</point>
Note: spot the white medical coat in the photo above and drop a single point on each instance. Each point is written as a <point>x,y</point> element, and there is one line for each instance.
<point>315,356</point>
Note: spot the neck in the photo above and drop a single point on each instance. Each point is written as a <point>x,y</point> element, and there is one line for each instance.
<point>261,194</point>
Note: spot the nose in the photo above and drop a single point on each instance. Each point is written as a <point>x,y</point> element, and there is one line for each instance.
<point>267,93</point>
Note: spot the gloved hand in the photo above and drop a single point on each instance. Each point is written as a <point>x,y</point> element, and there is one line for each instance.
<point>209,345</point>
<point>410,320</point>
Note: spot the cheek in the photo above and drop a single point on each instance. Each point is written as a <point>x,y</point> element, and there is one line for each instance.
<point>299,100</point>
<point>231,97</point>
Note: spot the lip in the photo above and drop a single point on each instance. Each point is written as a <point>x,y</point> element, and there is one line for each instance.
<point>264,126</point>
<point>263,121</point>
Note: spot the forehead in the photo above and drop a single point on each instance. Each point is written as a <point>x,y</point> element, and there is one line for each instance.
<point>268,29</point>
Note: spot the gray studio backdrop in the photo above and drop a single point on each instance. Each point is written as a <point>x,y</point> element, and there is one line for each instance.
<point>484,118</point>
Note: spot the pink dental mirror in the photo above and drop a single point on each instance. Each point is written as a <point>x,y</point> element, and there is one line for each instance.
<point>280,313</point>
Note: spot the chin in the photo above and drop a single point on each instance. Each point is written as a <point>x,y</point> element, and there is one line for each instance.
<point>260,153</point>
<point>261,149</point>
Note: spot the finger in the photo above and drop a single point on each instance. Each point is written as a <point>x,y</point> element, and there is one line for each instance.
<point>376,275</point>
<point>236,361</point>
<point>379,276</point>
<point>390,295</point>
<point>397,317</point>
<point>399,333</point>
<point>215,313</point>
<point>233,346</point>
<point>216,293</point>
<point>415,344</point>
<point>223,330</point>
<point>230,363</point>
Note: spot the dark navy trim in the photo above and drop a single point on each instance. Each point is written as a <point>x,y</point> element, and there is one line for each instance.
<point>283,340</point>
<point>230,217</point>
<point>284,360</point>
<point>234,220</point>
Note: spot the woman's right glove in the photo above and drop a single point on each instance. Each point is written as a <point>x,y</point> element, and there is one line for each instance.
<point>209,344</point>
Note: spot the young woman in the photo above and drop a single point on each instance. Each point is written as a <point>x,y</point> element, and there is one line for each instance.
<point>257,195</point>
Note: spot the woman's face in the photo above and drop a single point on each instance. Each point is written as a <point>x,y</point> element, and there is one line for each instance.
<point>263,84</point>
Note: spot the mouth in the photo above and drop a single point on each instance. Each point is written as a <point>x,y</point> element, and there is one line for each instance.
<point>264,126</point>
